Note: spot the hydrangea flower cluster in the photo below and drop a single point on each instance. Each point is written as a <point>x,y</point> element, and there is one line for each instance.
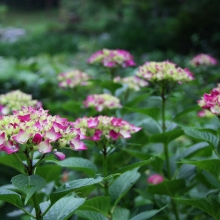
<point>155,179</point>
<point>158,71</point>
<point>14,100</point>
<point>102,101</point>
<point>211,101</point>
<point>133,82</point>
<point>37,130</point>
<point>203,60</point>
<point>73,78</point>
<point>112,58</point>
<point>94,128</point>
<point>205,113</point>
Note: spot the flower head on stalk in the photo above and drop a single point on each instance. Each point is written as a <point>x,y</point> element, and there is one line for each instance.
<point>73,78</point>
<point>15,100</point>
<point>111,128</point>
<point>112,58</point>
<point>37,130</point>
<point>203,60</point>
<point>211,101</point>
<point>164,71</point>
<point>133,82</point>
<point>102,101</point>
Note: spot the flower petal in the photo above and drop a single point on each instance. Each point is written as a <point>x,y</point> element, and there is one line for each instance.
<point>21,137</point>
<point>76,144</point>
<point>44,147</point>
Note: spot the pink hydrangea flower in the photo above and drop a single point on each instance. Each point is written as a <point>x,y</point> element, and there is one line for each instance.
<point>73,78</point>
<point>36,128</point>
<point>108,127</point>
<point>112,58</point>
<point>133,82</point>
<point>203,60</point>
<point>155,179</point>
<point>211,101</point>
<point>14,100</point>
<point>159,71</point>
<point>102,101</point>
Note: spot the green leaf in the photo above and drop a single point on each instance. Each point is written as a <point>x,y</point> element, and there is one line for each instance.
<point>134,165</point>
<point>90,215</point>
<point>186,111</point>
<point>211,179</point>
<point>151,112</point>
<point>120,213</point>
<point>167,187</point>
<point>28,184</point>
<point>150,126</point>
<point>63,208</point>
<point>99,204</point>
<point>73,186</point>
<point>49,172</point>
<point>166,137</point>
<point>146,215</point>
<point>210,165</point>
<point>193,149</point>
<point>209,205</point>
<point>120,187</point>
<point>137,153</point>
<point>11,161</point>
<point>10,197</point>
<point>77,163</point>
<point>202,135</point>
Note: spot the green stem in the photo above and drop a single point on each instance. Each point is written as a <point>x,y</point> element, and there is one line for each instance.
<point>20,161</point>
<point>105,169</point>
<point>37,207</point>
<point>175,210</point>
<point>27,212</point>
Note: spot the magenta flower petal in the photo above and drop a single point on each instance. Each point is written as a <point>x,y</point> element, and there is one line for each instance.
<point>2,139</point>
<point>21,137</point>
<point>125,133</point>
<point>97,135</point>
<point>37,138</point>
<point>76,144</point>
<point>60,155</point>
<point>24,118</point>
<point>10,147</point>
<point>52,135</point>
<point>44,147</point>
<point>93,122</point>
<point>114,135</point>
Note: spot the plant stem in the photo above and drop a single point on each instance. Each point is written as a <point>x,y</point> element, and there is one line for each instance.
<point>175,210</point>
<point>105,168</point>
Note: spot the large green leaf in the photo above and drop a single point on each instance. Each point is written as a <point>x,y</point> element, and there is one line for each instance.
<point>151,126</point>
<point>167,187</point>
<point>90,215</point>
<point>151,112</point>
<point>193,149</point>
<point>134,165</point>
<point>28,184</point>
<point>204,135</point>
<point>11,161</point>
<point>166,137</point>
<point>210,165</point>
<point>211,179</point>
<point>11,197</point>
<point>120,213</point>
<point>78,163</point>
<point>209,205</point>
<point>122,184</point>
<point>146,215</point>
<point>73,186</point>
<point>186,111</point>
<point>99,204</point>
<point>63,208</point>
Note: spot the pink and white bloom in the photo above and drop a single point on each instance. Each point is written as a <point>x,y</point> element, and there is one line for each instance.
<point>160,71</point>
<point>132,82</point>
<point>102,101</point>
<point>15,100</point>
<point>211,101</point>
<point>108,127</point>
<point>38,130</point>
<point>59,155</point>
<point>203,60</point>
<point>155,179</point>
<point>73,78</point>
<point>112,58</point>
